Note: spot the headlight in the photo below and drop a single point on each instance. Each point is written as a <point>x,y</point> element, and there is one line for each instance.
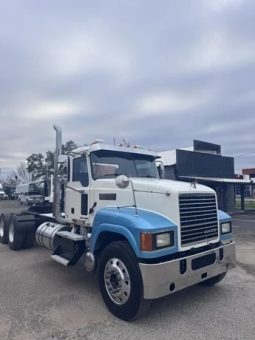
<point>226,227</point>
<point>154,241</point>
<point>163,240</point>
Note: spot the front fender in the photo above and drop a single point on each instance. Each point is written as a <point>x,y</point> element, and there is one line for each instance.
<point>224,217</point>
<point>117,229</point>
<point>125,222</point>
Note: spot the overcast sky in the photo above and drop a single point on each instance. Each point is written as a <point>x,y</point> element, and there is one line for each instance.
<point>159,73</point>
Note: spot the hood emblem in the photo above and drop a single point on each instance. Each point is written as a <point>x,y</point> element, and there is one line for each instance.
<point>194,184</point>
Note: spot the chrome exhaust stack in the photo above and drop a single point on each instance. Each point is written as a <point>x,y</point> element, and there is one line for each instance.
<point>56,182</point>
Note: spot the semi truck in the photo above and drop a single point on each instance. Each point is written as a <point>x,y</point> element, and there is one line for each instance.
<point>28,193</point>
<point>145,237</point>
<point>35,192</point>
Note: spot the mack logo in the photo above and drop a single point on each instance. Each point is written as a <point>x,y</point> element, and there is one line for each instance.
<point>208,231</point>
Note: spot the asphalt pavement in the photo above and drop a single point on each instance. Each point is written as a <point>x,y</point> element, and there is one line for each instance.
<point>42,300</point>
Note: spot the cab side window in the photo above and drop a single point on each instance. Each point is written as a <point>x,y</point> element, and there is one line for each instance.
<point>80,171</point>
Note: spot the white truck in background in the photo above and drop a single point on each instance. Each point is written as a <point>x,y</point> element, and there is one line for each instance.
<point>146,237</point>
<point>36,192</point>
<point>3,195</point>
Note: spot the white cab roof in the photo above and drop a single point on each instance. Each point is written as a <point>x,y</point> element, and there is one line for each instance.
<point>101,146</point>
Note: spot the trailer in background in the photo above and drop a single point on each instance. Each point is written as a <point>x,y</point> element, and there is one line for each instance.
<point>35,192</point>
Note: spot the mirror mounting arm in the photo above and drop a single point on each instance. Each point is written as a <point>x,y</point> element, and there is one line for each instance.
<point>122,182</point>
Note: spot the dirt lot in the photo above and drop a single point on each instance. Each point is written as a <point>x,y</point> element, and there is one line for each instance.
<point>40,299</point>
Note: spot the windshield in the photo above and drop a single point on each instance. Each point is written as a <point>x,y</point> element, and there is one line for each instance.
<point>109,164</point>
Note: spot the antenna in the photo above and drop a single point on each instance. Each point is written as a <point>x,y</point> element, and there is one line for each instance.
<point>134,198</point>
<point>125,141</point>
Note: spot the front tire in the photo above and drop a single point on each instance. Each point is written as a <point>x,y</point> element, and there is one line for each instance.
<point>120,282</point>
<point>213,280</point>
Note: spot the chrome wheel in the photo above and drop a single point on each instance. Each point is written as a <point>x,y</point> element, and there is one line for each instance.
<point>11,233</point>
<point>117,281</point>
<point>2,228</point>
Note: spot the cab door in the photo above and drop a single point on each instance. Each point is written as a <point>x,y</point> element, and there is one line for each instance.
<point>77,190</point>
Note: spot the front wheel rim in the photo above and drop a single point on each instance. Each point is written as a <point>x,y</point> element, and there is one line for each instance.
<point>117,281</point>
<point>11,233</point>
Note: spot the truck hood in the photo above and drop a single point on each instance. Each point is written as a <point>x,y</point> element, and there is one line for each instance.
<point>158,196</point>
<point>168,187</point>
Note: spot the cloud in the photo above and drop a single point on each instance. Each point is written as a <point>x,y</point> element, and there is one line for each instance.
<point>218,50</point>
<point>51,110</point>
<point>159,75</point>
<point>220,5</point>
<point>85,52</point>
<point>169,103</point>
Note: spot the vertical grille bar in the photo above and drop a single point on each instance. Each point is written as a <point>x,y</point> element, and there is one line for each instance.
<point>198,218</point>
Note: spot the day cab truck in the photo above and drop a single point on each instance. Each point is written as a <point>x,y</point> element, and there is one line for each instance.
<point>146,237</point>
<point>32,192</point>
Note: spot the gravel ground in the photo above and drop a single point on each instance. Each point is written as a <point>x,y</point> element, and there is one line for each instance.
<point>42,300</point>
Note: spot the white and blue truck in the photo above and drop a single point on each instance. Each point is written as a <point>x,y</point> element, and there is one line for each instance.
<point>144,236</point>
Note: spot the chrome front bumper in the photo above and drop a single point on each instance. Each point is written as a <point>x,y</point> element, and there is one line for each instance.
<point>158,278</point>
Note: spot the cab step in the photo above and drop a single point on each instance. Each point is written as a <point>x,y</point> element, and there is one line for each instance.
<point>69,248</point>
<point>71,236</point>
<point>60,260</point>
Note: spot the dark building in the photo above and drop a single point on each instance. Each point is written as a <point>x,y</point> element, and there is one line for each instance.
<point>204,163</point>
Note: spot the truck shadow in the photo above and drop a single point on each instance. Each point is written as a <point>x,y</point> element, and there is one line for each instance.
<point>184,304</point>
<point>83,286</point>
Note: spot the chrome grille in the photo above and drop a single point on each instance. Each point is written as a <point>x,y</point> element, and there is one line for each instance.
<point>198,218</point>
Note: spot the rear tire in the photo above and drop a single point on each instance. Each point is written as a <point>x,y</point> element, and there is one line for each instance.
<point>120,282</point>
<point>4,226</point>
<point>15,236</point>
<point>213,280</point>
<point>29,239</point>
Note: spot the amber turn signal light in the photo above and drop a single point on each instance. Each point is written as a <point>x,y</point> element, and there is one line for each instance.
<point>146,241</point>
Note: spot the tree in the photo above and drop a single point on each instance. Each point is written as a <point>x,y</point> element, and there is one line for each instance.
<point>36,166</point>
<point>49,163</point>
<point>39,166</point>
<point>18,176</point>
<point>68,147</point>
<point>22,173</point>
<point>11,179</point>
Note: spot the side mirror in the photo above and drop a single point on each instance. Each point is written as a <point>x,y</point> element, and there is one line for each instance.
<point>122,181</point>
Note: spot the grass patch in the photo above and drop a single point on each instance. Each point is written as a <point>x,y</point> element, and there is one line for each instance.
<point>249,203</point>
